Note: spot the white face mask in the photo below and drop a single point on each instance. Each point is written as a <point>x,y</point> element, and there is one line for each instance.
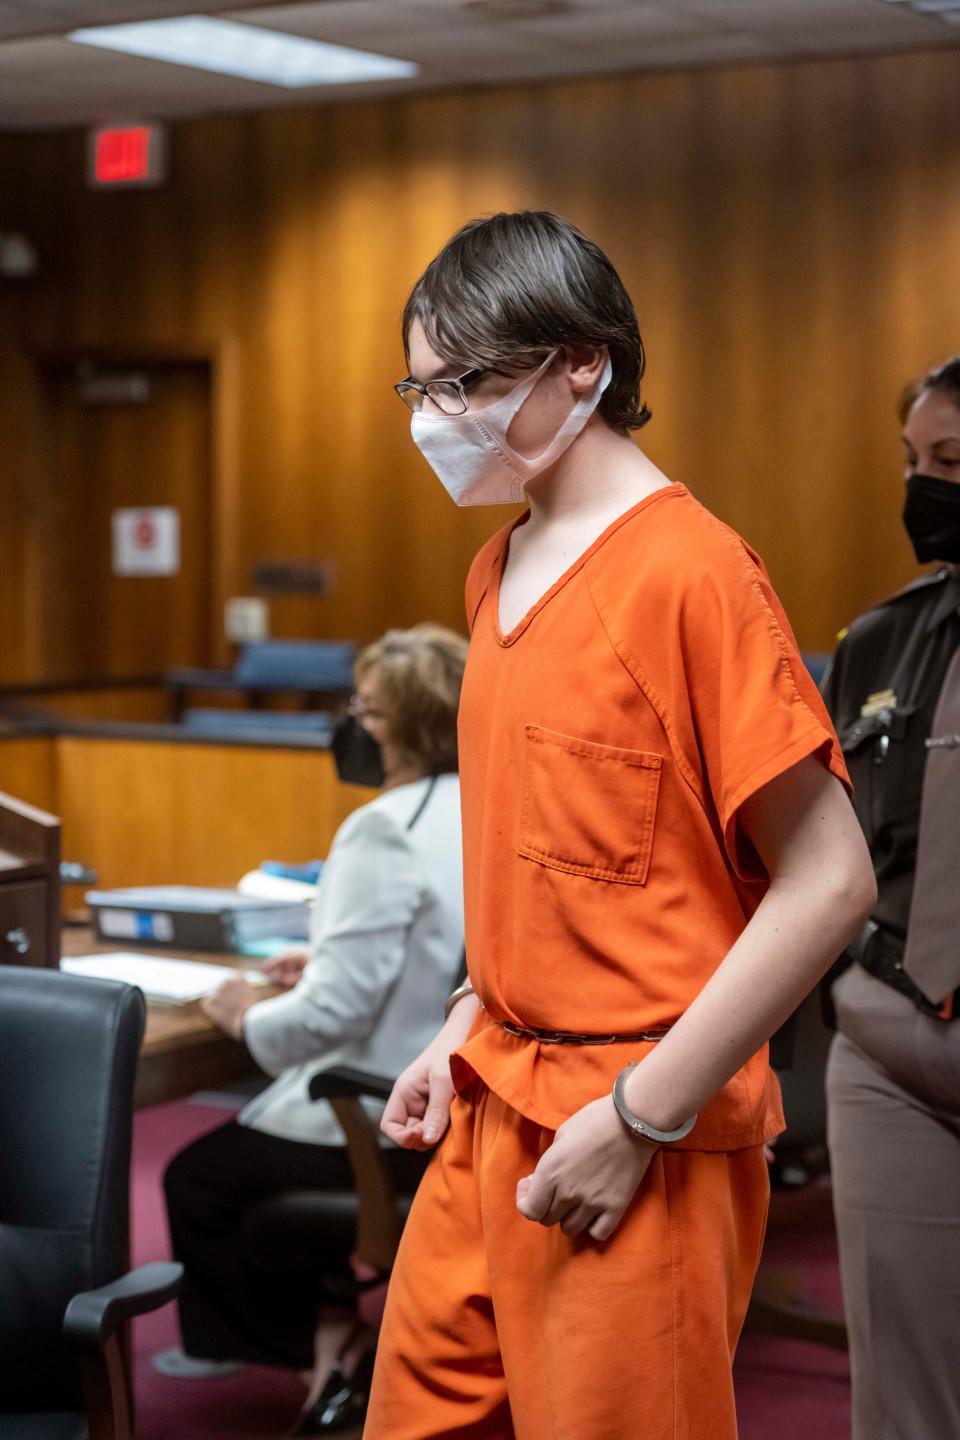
<point>470,453</point>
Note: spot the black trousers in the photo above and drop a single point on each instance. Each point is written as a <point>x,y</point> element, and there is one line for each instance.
<point>236,1302</point>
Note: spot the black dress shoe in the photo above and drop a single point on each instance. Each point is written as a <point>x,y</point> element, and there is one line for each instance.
<point>342,1403</point>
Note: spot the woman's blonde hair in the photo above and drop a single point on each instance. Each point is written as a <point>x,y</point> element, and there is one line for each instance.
<point>419,673</point>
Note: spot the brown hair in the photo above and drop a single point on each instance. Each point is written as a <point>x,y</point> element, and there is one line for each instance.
<point>419,673</point>
<point>508,289</point>
<point>945,378</point>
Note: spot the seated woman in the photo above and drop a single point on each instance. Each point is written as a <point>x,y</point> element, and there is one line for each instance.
<point>385,950</point>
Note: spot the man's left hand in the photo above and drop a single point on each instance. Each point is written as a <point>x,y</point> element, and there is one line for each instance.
<point>229,1003</point>
<point>589,1175</point>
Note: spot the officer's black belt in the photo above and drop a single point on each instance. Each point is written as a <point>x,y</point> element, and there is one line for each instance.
<point>881,955</point>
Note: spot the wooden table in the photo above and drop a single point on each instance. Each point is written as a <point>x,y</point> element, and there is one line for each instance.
<point>182,1050</point>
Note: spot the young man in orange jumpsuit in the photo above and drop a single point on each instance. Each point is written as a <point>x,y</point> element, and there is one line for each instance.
<point>660,860</point>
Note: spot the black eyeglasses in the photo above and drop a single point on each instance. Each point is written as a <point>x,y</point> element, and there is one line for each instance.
<point>449,396</point>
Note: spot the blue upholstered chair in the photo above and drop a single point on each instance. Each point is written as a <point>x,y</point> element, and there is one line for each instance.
<point>284,725</point>
<point>320,672</point>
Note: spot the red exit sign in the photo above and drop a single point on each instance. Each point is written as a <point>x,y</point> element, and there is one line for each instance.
<point>122,157</point>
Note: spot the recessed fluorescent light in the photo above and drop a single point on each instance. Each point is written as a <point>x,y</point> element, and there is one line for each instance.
<point>245,50</point>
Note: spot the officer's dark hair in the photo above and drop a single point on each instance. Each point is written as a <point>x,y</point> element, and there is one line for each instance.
<point>944,378</point>
<point>508,289</point>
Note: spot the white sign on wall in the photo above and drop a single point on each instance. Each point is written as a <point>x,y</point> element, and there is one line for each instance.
<point>146,541</point>
<point>246,618</point>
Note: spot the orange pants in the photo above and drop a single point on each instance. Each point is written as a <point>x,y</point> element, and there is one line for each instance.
<point>497,1327</point>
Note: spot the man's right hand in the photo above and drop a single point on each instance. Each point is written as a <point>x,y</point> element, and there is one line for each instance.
<point>286,969</point>
<point>418,1112</point>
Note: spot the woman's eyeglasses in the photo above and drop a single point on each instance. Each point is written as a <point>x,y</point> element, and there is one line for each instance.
<point>449,396</point>
<point>360,711</point>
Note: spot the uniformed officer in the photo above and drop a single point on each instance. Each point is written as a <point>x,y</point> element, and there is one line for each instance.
<point>893,1080</point>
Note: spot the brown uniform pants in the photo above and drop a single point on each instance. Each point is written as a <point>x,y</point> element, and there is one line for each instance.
<point>499,1327</point>
<point>893,1088</point>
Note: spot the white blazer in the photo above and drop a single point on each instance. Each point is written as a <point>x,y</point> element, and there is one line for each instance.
<point>386,945</point>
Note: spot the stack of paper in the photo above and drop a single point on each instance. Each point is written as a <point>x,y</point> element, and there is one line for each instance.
<point>176,982</point>
<point>259,885</point>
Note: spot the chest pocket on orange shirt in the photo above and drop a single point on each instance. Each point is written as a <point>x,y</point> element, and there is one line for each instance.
<point>588,809</point>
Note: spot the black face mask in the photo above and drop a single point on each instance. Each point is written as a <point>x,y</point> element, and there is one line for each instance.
<point>931,515</point>
<point>357,756</point>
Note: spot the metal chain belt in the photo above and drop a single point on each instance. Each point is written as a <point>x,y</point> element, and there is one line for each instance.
<point>571,1037</point>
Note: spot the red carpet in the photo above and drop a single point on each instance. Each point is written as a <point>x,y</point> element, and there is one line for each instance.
<point>790,1389</point>
<point>786,1389</point>
<point>256,1405</point>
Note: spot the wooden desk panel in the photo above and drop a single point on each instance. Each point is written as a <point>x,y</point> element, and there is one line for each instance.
<point>182,1050</point>
<point>24,922</point>
<point>28,770</point>
<point>144,811</point>
<point>152,812</point>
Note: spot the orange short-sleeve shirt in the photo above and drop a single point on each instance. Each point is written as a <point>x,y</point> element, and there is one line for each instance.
<point>607,745</point>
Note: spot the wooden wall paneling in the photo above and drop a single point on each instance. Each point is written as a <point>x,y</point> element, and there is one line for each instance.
<point>101,458</point>
<point>150,812</point>
<point>225,501</point>
<point>298,356</point>
<point>788,233</point>
<point>454,169</point>
<point>373,499</point>
<point>28,771</point>
<point>14,639</point>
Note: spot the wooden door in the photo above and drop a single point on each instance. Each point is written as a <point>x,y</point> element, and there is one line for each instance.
<point>121,437</point>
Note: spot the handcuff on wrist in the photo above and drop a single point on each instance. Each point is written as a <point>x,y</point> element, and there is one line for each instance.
<point>634,1124</point>
<point>461,992</point>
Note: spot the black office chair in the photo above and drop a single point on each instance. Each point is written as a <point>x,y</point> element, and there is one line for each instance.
<point>68,1057</point>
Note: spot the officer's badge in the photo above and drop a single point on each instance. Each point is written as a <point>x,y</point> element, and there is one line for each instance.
<point>879,701</point>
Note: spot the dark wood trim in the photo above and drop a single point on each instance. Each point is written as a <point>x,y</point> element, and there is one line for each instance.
<point>34,726</point>
<point>208,1062</point>
<point>107,1390</point>
<point>156,357</point>
<point>27,831</point>
<point>19,727</point>
<point>84,684</point>
<point>30,848</point>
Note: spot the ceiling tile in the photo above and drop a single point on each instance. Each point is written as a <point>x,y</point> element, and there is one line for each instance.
<point>349,22</point>
<point>46,81</point>
<point>634,24</point>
